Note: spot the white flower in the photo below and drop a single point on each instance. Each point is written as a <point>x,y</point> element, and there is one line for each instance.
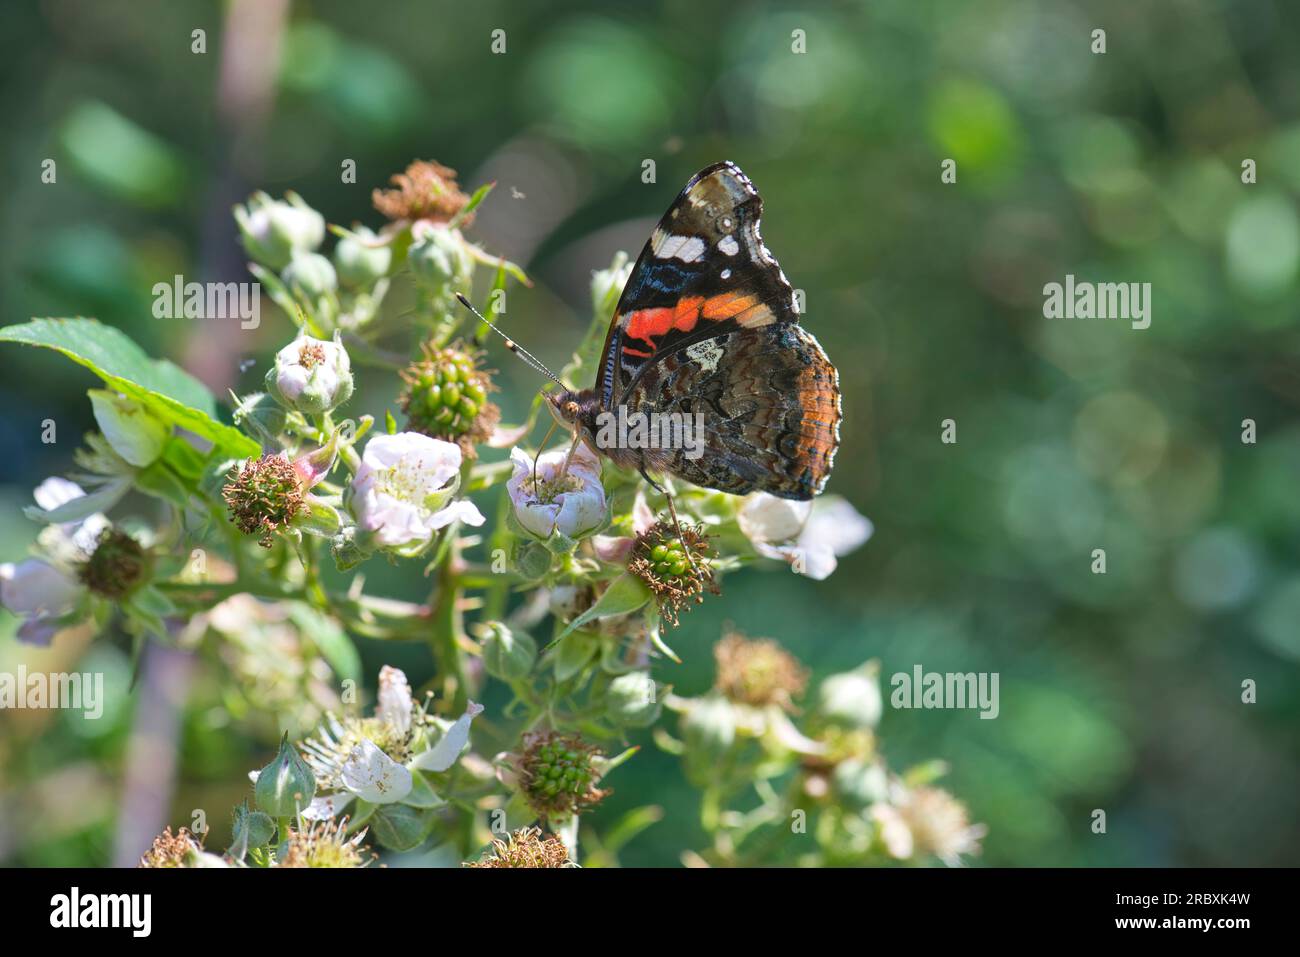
<point>132,431</point>
<point>402,489</point>
<point>311,375</point>
<point>350,765</point>
<point>34,587</point>
<point>573,505</point>
<point>373,776</point>
<point>808,535</point>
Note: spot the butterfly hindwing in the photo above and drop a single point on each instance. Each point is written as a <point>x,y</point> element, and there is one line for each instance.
<point>703,272</point>
<point>768,401</point>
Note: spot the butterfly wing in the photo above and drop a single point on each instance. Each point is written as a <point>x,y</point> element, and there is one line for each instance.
<point>707,324</point>
<point>703,272</point>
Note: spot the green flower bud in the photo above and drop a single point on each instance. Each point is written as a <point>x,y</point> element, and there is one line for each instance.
<point>286,785</point>
<point>852,698</point>
<point>310,275</point>
<point>251,828</point>
<point>632,701</point>
<point>533,560</point>
<point>359,260</point>
<point>273,230</point>
<point>508,655</point>
<point>439,259</point>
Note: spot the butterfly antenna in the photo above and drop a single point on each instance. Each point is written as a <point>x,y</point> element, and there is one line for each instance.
<point>513,346</point>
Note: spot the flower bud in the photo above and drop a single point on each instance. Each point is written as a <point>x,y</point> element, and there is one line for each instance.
<point>272,230</point>
<point>439,259</point>
<point>251,828</point>
<point>631,700</point>
<point>311,375</point>
<point>860,783</point>
<point>310,275</point>
<point>507,655</point>
<point>286,785</point>
<point>852,698</point>
<point>360,259</point>
<point>131,429</point>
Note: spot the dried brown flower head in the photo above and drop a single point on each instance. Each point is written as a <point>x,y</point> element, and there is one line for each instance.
<point>678,571</point>
<point>263,495</point>
<point>170,850</point>
<point>758,672</point>
<point>116,567</point>
<point>526,847</point>
<point>427,190</point>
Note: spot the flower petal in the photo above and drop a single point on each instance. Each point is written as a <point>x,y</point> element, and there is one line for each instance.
<point>372,775</point>
<point>444,754</point>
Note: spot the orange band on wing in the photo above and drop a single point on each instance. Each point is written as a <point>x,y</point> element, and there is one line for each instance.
<point>727,305</point>
<point>650,324</point>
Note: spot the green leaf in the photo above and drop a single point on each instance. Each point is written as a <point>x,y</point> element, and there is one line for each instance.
<point>331,641</point>
<point>625,594</point>
<point>572,655</point>
<point>422,794</point>
<point>480,194</point>
<point>168,391</point>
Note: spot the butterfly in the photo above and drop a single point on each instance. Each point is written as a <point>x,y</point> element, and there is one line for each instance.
<point>707,328</point>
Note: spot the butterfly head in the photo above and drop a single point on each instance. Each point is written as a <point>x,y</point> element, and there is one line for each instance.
<point>576,411</point>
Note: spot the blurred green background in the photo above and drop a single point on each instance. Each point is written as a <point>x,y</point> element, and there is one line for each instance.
<point>1120,692</point>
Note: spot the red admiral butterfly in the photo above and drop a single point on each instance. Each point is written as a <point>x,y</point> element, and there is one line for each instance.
<point>707,324</point>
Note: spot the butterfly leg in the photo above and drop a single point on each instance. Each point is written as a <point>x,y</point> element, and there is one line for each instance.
<point>653,484</point>
<point>672,510</point>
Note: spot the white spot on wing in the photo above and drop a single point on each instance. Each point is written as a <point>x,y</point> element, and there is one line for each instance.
<point>686,248</point>
<point>707,353</point>
<point>729,245</point>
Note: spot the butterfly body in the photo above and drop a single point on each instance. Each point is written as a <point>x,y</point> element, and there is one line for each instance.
<point>706,330</point>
